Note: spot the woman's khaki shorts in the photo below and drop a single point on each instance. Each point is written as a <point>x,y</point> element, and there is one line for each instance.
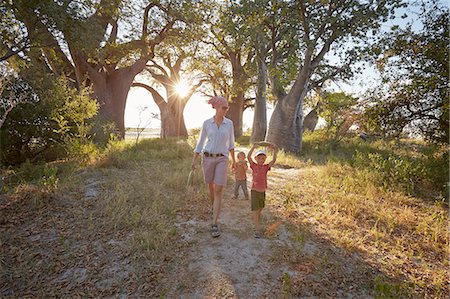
<point>258,200</point>
<point>215,170</point>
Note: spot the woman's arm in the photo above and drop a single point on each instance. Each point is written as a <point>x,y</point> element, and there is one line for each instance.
<point>202,139</point>
<point>194,161</point>
<point>199,147</point>
<point>233,165</point>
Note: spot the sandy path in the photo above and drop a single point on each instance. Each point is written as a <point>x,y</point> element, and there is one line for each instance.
<point>235,265</point>
<point>291,261</point>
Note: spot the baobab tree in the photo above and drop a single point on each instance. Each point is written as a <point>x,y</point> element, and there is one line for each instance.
<point>168,74</point>
<point>323,24</point>
<point>82,41</point>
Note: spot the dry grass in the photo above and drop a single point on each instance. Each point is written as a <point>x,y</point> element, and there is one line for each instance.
<point>121,239</point>
<point>144,191</point>
<point>141,191</point>
<point>400,235</point>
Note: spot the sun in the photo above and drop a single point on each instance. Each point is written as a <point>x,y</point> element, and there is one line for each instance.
<point>182,88</point>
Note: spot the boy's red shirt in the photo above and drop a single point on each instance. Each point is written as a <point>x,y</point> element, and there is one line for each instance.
<point>259,173</point>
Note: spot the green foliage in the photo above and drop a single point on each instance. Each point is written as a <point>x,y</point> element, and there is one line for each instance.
<point>414,66</point>
<point>60,116</point>
<point>244,140</point>
<point>41,175</point>
<point>120,154</point>
<point>391,171</point>
<point>335,109</point>
<point>407,166</point>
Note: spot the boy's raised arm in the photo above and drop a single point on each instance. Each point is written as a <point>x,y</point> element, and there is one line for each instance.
<point>249,155</point>
<point>275,152</point>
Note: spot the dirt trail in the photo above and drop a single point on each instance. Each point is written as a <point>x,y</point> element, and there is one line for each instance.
<point>237,265</point>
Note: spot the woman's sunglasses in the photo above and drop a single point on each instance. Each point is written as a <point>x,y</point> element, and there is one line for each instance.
<point>225,107</point>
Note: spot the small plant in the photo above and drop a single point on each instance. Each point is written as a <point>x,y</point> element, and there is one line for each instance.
<point>385,289</point>
<point>286,285</point>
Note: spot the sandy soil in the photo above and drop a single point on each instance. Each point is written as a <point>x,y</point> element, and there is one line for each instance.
<point>237,265</point>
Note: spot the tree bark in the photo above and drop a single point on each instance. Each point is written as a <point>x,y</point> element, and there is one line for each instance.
<point>259,128</point>
<point>240,79</point>
<point>172,118</point>
<point>172,121</point>
<point>236,113</point>
<point>286,123</point>
<point>111,91</point>
<point>310,121</point>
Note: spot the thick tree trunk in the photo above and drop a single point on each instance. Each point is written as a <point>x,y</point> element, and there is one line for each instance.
<point>172,121</point>
<point>299,123</point>
<point>240,81</point>
<point>282,126</point>
<point>236,113</point>
<point>259,128</point>
<point>310,121</point>
<point>172,118</point>
<point>111,91</point>
<point>286,123</point>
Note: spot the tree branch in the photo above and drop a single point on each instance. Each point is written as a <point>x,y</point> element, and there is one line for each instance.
<point>12,52</point>
<point>157,98</point>
<point>318,83</point>
<point>113,36</point>
<point>192,90</point>
<point>304,22</point>
<point>156,65</point>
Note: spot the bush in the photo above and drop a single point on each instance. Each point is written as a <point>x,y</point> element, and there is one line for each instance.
<point>48,125</point>
<point>392,171</point>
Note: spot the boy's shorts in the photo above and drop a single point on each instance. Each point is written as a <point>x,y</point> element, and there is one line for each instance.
<point>258,200</point>
<point>215,170</point>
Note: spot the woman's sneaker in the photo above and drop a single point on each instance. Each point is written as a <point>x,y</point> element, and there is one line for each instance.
<point>258,234</point>
<point>215,231</point>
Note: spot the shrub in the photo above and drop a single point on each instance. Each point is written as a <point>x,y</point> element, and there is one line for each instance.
<point>392,172</point>
<point>33,129</point>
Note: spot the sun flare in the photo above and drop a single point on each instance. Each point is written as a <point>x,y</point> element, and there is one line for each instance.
<point>182,88</point>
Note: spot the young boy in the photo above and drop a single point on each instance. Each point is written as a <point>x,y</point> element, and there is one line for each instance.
<point>240,176</point>
<point>259,184</point>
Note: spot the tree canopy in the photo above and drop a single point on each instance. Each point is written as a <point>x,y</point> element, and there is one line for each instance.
<point>413,96</point>
<point>249,51</point>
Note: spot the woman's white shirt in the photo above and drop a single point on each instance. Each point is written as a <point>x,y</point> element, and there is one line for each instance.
<point>219,139</point>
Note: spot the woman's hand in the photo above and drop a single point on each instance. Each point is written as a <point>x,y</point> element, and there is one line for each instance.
<point>194,161</point>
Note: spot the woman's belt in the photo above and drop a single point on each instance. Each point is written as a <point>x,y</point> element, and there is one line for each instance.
<point>213,155</point>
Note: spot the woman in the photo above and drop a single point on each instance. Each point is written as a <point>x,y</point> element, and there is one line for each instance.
<point>218,133</point>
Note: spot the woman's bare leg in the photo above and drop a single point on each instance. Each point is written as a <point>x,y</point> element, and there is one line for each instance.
<point>211,193</point>
<point>217,202</point>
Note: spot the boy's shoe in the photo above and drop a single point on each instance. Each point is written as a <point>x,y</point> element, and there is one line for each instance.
<point>215,231</point>
<point>258,234</point>
<point>234,197</point>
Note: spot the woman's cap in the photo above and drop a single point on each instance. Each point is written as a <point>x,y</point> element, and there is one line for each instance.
<point>260,152</point>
